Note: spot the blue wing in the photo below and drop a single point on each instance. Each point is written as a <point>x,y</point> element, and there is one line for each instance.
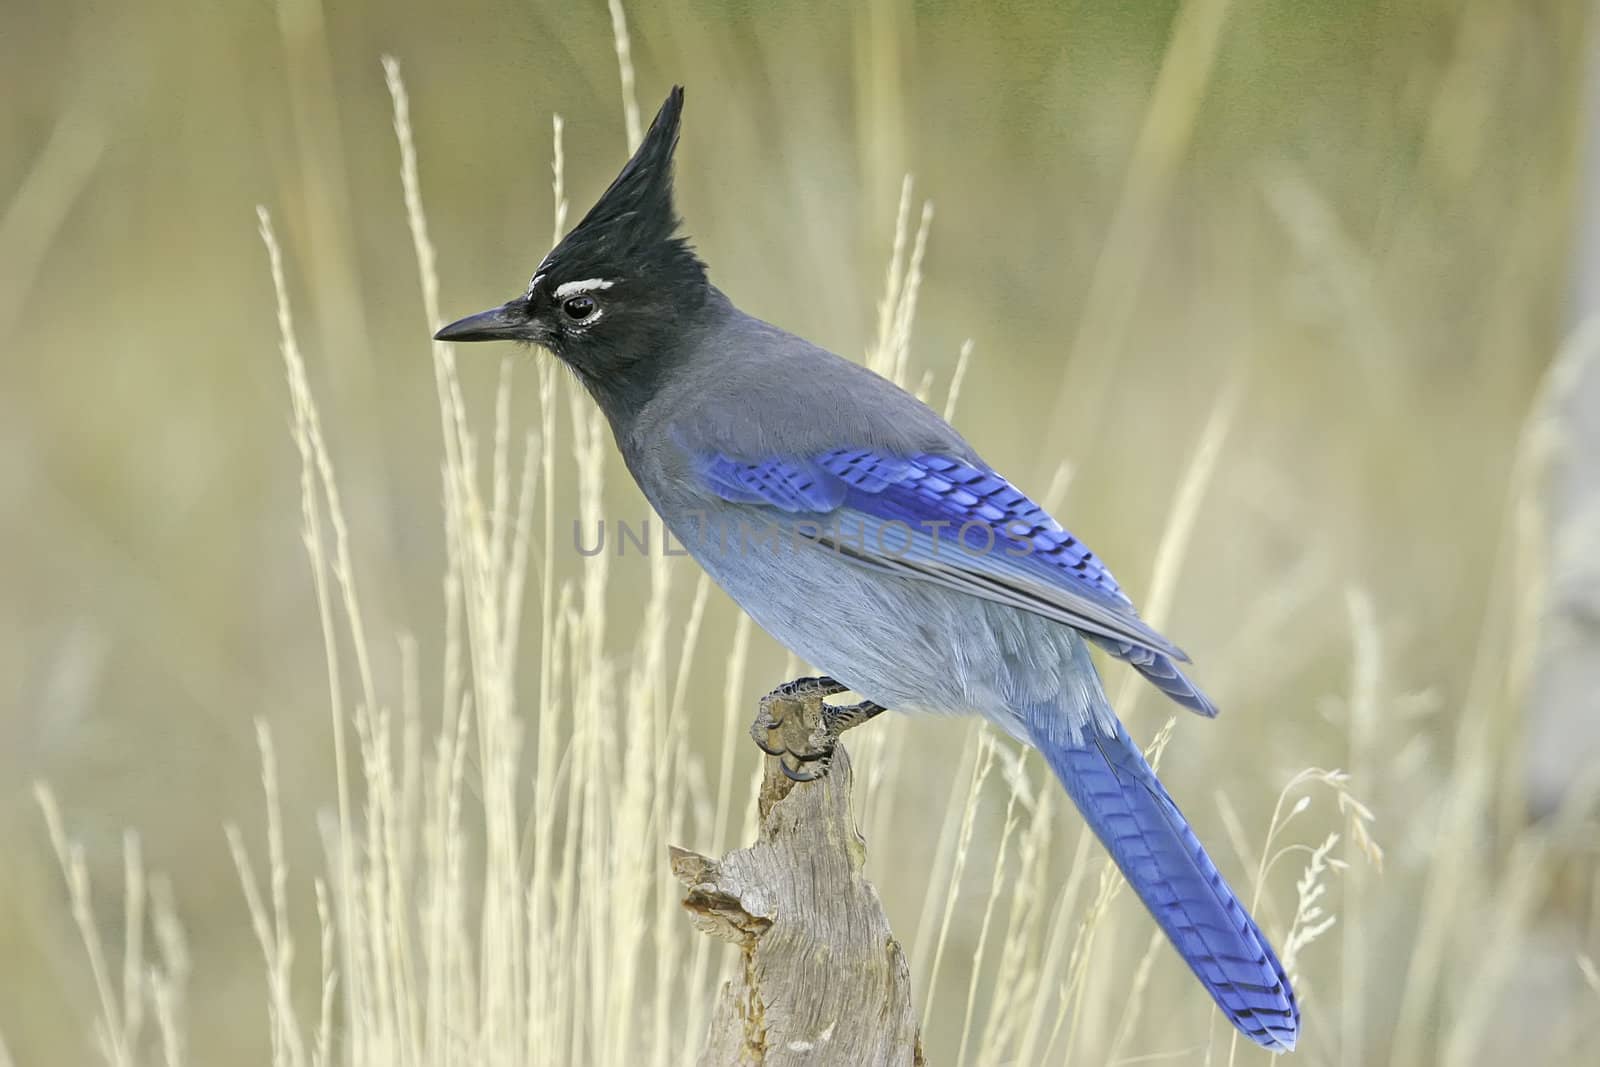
<point>956,524</point>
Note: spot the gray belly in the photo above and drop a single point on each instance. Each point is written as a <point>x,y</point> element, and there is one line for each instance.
<point>900,642</point>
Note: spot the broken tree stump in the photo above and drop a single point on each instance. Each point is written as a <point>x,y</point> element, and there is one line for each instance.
<point>823,979</point>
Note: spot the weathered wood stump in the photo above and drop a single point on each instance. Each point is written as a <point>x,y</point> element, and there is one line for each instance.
<point>824,981</point>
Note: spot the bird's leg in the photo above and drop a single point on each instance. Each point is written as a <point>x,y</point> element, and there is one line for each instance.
<point>818,749</point>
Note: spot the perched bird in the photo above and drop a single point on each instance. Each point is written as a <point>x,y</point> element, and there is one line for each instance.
<point>860,530</point>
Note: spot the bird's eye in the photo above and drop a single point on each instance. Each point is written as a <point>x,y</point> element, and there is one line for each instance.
<point>579,308</point>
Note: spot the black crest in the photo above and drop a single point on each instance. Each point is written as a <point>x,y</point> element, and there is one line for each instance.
<point>632,228</point>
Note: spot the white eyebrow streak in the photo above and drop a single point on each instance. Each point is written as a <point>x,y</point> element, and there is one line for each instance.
<point>566,289</point>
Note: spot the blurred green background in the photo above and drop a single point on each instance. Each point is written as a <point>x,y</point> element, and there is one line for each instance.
<point>1353,217</point>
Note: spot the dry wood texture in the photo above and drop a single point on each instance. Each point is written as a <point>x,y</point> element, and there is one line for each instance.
<point>823,979</point>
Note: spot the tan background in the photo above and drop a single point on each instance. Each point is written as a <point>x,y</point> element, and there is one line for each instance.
<point>1355,215</point>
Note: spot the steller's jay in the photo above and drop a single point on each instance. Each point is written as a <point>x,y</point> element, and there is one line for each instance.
<point>860,530</point>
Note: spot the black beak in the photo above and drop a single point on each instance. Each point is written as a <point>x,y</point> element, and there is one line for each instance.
<point>508,322</point>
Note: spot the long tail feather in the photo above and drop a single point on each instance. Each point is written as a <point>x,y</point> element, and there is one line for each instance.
<point>1148,837</point>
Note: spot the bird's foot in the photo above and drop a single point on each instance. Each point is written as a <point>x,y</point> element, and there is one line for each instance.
<point>784,702</point>
<point>806,757</point>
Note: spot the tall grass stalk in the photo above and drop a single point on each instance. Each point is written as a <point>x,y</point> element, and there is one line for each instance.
<point>145,987</point>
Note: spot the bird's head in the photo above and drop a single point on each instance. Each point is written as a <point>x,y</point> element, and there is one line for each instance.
<point>620,284</point>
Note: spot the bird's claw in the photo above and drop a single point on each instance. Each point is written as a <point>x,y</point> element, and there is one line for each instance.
<point>822,756</point>
<point>800,776</point>
<point>763,726</point>
<point>835,720</point>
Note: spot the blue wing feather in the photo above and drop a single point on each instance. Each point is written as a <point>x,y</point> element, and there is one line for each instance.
<point>790,486</point>
<point>976,503</point>
<point>961,525</point>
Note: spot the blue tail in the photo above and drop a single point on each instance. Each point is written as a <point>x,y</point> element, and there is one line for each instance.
<point>1131,813</point>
